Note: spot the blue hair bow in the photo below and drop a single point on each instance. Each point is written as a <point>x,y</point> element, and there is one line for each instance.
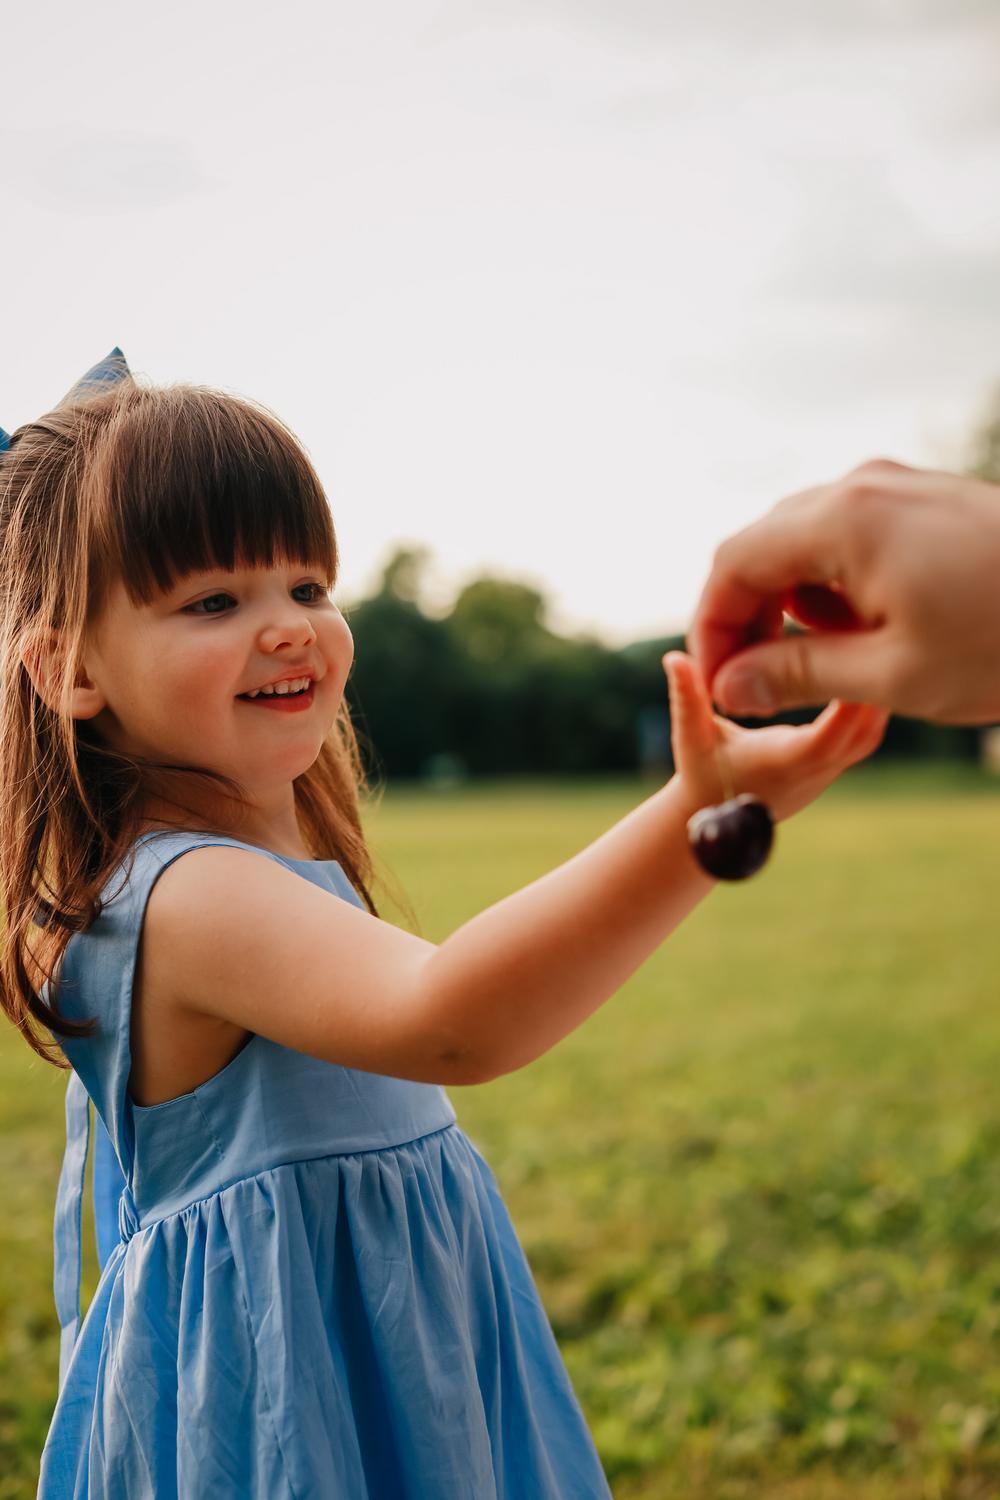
<point>108,372</point>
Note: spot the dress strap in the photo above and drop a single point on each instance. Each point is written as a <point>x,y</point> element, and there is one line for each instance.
<point>110,1190</point>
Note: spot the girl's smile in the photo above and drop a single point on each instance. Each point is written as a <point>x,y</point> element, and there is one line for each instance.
<point>289,703</point>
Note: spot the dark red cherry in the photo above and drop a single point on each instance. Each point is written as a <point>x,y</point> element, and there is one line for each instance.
<point>733,840</point>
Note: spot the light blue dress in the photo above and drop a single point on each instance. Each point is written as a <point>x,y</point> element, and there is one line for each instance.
<point>310,1286</point>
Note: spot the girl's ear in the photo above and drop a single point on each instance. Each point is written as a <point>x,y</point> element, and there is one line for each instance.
<point>42,659</point>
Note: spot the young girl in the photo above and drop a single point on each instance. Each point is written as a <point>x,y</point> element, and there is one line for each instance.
<point>310,1285</point>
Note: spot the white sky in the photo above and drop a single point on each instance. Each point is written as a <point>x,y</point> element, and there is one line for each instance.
<point>562,289</point>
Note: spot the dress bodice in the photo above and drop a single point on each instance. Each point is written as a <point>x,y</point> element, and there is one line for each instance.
<point>268,1106</point>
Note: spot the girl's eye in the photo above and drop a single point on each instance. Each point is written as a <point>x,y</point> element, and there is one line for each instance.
<point>319,592</point>
<point>191,609</point>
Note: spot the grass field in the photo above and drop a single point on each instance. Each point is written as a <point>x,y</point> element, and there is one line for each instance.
<point>760,1189</point>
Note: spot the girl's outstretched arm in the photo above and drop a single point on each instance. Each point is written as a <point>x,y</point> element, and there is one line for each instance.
<point>521,975</point>
<point>515,979</point>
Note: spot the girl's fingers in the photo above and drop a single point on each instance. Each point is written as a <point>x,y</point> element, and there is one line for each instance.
<point>870,736</point>
<point>840,731</point>
<point>841,735</point>
<point>691,718</point>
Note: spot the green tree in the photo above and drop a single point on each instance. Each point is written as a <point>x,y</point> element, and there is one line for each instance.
<point>403,682</point>
<point>499,624</point>
<point>403,574</point>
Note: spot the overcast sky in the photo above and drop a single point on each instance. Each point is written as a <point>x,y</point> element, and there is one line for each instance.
<point>562,289</point>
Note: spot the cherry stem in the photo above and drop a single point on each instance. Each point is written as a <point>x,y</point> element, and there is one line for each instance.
<point>724,768</point>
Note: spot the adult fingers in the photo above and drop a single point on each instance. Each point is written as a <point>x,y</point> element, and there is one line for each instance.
<point>755,571</point>
<point>823,607</point>
<point>802,670</point>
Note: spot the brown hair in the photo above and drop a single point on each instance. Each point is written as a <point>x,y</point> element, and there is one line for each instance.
<point>145,484</point>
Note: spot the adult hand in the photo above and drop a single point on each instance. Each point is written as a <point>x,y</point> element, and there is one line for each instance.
<point>897,573</point>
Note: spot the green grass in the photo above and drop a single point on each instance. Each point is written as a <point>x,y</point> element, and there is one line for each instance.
<point>760,1189</point>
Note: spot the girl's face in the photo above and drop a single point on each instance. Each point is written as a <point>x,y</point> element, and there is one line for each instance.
<point>168,676</point>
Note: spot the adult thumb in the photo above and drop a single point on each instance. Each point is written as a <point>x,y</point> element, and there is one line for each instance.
<point>799,671</point>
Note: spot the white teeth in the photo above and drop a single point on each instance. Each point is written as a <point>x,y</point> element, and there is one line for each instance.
<point>281,688</point>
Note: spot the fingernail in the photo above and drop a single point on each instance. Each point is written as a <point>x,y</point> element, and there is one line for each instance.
<point>748,692</point>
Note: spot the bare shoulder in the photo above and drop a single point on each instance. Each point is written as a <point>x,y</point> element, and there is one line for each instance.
<point>237,937</point>
<point>211,906</point>
<point>175,1048</point>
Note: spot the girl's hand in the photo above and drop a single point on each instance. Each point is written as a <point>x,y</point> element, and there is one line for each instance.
<point>787,766</point>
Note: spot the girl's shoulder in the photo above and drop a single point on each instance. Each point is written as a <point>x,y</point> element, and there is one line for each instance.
<point>243,940</point>
<point>175,1046</point>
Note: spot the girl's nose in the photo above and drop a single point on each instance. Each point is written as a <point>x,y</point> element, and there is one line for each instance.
<point>297,631</point>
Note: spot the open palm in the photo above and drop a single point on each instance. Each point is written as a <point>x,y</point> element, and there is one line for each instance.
<point>787,766</point>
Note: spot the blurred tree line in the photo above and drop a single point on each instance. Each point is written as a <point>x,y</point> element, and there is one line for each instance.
<point>490,689</point>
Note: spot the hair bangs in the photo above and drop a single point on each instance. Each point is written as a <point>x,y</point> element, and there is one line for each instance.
<point>210,482</point>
